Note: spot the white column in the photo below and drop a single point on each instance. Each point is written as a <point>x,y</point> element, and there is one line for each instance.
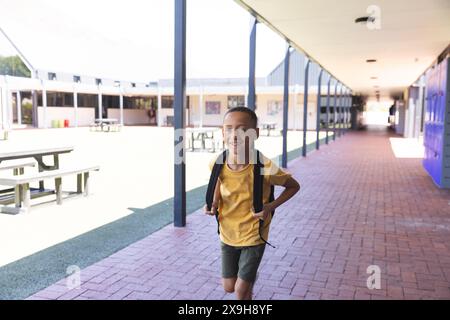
<point>246,97</point>
<point>100,107</point>
<point>159,107</point>
<point>19,107</point>
<point>44,104</point>
<point>7,114</point>
<point>75,105</point>
<point>121,106</point>
<point>202,106</point>
<point>2,108</point>
<point>9,109</point>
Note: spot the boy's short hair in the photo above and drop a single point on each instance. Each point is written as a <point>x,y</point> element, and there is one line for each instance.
<point>246,110</point>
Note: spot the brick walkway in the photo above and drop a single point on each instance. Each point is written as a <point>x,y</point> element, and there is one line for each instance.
<point>358,206</point>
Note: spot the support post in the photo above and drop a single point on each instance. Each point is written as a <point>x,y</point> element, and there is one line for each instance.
<point>285,106</point>
<point>44,104</point>
<point>319,107</point>
<point>335,110</point>
<point>179,114</point>
<point>251,68</point>
<point>305,108</point>
<point>327,122</point>
<point>121,106</point>
<point>75,105</point>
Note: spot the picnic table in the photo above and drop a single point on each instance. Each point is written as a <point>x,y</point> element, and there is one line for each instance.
<point>14,153</point>
<point>106,123</point>
<point>268,126</point>
<point>202,135</point>
<point>20,181</point>
<point>37,154</point>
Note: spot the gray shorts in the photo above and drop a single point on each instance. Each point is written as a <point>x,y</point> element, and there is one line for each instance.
<point>242,262</point>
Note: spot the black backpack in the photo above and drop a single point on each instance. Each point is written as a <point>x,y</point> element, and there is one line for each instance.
<point>258,180</point>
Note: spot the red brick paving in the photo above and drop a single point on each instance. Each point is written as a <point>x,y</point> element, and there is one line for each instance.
<point>358,206</point>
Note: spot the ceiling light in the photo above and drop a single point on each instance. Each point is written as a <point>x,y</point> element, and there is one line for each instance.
<point>373,78</point>
<point>371,60</point>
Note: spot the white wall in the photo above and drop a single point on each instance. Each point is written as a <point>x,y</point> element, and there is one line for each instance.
<point>215,119</point>
<point>295,117</point>
<point>86,116</point>
<point>194,111</point>
<point>169,112</point>
<point>130,116</point>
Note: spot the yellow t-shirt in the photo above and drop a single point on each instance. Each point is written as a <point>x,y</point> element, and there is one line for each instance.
<point>238,227</point>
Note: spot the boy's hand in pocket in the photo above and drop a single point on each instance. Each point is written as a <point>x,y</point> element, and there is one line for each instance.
<point>213,210</point>
<point>267,209</point>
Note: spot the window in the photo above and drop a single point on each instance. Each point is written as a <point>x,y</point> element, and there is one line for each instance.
<point>167,102</point>
<point>323,101</point>
<point>57,99</point>
<point>137,102</point>
<point>68,100</point>
<point>116,83</point>
<point>154,102</point>
<point>88,100</point>
<point>236,101</point>
<point>111,101</point>
<point>77,79</point>
<point>51,76</point>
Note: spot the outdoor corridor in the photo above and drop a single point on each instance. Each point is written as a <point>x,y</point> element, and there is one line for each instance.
<point>358,206</point>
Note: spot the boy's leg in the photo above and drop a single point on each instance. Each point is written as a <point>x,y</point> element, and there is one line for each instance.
<point>230,265</point>
<point>229,284</point>
<point>243,289</point>
<point>249,262</point>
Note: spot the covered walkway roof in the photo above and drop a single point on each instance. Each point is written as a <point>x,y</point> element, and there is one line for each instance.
<point>405,39</point>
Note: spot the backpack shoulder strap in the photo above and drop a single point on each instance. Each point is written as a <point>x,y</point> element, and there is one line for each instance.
<point>258,185</point>
<point>215,173</point>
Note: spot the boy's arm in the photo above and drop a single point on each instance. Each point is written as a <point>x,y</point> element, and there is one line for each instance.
<point>291,187</point>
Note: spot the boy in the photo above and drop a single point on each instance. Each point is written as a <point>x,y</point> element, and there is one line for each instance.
<point>242,243</point>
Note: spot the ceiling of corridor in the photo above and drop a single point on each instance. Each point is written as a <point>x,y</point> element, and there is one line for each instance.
<point>405,40</point>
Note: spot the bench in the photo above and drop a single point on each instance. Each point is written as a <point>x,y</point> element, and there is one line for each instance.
<point>17,167</point>
<point>21,183</point>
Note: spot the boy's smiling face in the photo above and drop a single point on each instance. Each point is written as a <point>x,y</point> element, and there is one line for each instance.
<point>239,133</point>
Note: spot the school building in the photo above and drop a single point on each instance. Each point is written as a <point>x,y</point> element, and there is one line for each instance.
<point>76,98</point>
